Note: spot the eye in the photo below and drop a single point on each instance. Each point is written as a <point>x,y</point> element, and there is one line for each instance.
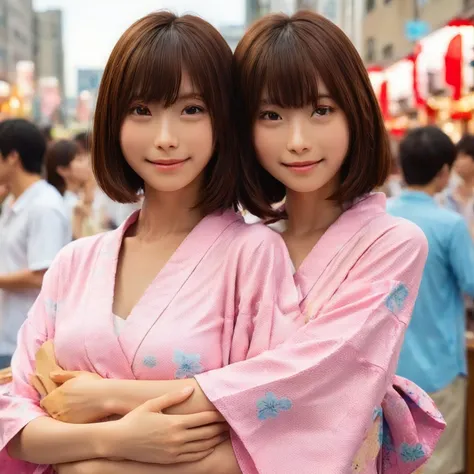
<point>269,115</point>
<point>193,110</point>
<point>323,111</point>
<point>140,110</point>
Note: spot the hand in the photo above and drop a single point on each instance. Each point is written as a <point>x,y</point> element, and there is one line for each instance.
<point>149,436</point>
<point>79,398</point>
<point>82,209</point>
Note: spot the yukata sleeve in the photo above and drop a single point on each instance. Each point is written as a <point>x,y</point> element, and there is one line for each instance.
<point>268,302</point>
<point>20,402</point>
<point>306,406</point>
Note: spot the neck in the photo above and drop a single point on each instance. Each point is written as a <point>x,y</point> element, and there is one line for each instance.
<point>21,182</point>
<point>429,189</point>
<point>73,187</point>
<point>168,213</point>
<point>308,214</point>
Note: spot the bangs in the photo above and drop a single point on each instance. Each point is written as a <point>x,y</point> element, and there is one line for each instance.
<point>155,68</point>
<point>286,72</point>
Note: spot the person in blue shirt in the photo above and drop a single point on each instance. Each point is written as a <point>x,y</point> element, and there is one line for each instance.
<point>434,355</point>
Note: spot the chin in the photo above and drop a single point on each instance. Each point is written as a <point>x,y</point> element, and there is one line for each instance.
<point>302,187</point>
<point>167,186</point>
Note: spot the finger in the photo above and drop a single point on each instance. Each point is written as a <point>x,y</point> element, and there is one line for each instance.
<point>193,457</point>
<point>37,385</point>
<point>48,405</point>
<point>202,419</point>
<point>48,384</point>
<point>205,432</point>
<point>205,445</point>
<point>63,376</point>
<point>159,404</point>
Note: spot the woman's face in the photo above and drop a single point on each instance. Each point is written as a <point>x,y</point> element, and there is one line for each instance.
<point>169,147</point>
<point>303,148</point>
<point>464,166</point>
<point>80,170</point>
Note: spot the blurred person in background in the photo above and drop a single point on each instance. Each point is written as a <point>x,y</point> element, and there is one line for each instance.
<point>394,184</point>
<point>433,355</point>
<point>460,196</point>
<point>47,132</point>
<point>3,193</point>
<point>33,227</point>
<point>107,214</point>
<point>68,169</point>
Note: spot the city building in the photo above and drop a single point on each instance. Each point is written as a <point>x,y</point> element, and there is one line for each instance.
<point>391,27</point>
<point>347,14</point>
<point>49,51</point>
<point>16,36</point>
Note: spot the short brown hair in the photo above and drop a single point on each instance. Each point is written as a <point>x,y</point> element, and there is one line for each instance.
<point>147,64</point>
<point>285,56</point>
<point>59,155</point>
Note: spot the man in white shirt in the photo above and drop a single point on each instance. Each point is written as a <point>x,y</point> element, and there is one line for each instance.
<point>33,227</point>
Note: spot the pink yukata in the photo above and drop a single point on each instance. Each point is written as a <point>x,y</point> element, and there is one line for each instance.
<point>306,406</point>
<point>226,294</point>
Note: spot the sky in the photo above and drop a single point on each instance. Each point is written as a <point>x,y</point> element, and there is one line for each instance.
<point>92,27</point>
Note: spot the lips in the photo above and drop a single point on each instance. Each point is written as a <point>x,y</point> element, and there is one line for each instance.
<point>302,164</point>
<point>167,162</point>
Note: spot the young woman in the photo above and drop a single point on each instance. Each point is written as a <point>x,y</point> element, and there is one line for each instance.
<point>183,286</point>
<point>318,138</point>
<point>68,169</point>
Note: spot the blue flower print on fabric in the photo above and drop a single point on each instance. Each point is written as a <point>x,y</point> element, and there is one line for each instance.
<point>395,301</point>
<point>376,413</point>
<point>411,453</point>
<point>189,365</point>
<point>270,406</point>
<point>150,361</point>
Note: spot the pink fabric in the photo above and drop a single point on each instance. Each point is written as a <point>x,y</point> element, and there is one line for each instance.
<point>225,295</point>
<point>306,406</point>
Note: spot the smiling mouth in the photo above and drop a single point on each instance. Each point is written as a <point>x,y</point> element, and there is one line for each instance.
<point>167,162</point>
<point>302,165</point>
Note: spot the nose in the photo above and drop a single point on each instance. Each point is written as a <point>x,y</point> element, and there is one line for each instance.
<point>166,137</point>
<point>298,140</point>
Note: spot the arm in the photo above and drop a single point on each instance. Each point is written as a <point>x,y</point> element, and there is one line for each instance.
<point>22,280</point>
<point>220,462</point>
<point>461,256</point>
<point>324,383</point>
<point>267,314</point>
<point>28,433</point>
<point>80,214</point>
<point>48,441</point>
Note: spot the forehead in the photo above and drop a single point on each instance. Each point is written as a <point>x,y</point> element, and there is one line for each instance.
<point>319,90</point>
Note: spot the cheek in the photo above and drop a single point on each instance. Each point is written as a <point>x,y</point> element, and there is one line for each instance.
<point>268,145</point>
<point>204,137</point>
<point>132,138</point>
<point>334,139</point>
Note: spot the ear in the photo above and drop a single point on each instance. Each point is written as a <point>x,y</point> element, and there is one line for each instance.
<point>62,171</point>
<point>13,158</point>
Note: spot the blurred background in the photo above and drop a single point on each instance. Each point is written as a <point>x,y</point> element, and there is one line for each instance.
<point>419,53</point>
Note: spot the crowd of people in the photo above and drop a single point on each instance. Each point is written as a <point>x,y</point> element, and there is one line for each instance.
<point>49,198</point>
<point>328,336</point>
